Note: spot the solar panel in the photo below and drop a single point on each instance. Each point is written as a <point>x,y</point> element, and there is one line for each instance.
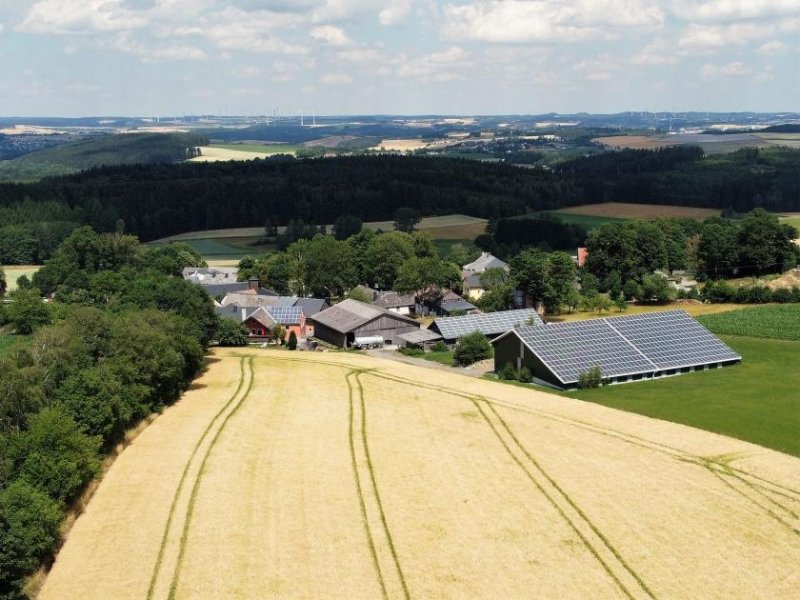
<point>493,323</point>
<point>623,346</point>
<point>285,315</point>
<point>673,339</point>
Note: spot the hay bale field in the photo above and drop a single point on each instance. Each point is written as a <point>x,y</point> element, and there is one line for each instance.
<point>304,475</point>
<point>623,210</point>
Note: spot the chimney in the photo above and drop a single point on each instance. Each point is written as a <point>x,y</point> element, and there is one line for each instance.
<point>254,283</point>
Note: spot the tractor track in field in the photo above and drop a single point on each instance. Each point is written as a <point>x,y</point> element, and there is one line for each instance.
<point>195,465</point>
<point>382,548</point>
<point>718,467</point>
<point>774,500</point>
<point>598,545</point>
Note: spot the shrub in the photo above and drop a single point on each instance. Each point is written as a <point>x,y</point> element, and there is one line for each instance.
<point>231,333</point>
<point>439,347</point>
<point>292,343</point>
<point>524,375</point>
<point>591,378</point>
<point>507,372</point>
<point>471,348</point>
<point>409,351</point>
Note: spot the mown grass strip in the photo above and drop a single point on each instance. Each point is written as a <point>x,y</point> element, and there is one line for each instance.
<point>196,486</point>
<point>179,489</point>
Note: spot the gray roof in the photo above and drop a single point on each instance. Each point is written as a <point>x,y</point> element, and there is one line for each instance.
<point>624,346</point>
<point>350,314</point>
<point>449,306</point>
<point>262,316</point>
<point>210,275</point>
<point>493,323</point>
<point>221,289</point>
<point>419,336</point>
<point>247,298</point>
<point>393,299</point>
<point>473,281</point>
<point>311,306</point>
<point>485,261</point>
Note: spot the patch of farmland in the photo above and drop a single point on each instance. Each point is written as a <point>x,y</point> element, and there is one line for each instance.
<point>622,210</point>
<point>14,272</point>
<point>779,321</point>
<point>635,142</point>
<point>216,153</point>
<point>299,475</point>
<point>401,145</point>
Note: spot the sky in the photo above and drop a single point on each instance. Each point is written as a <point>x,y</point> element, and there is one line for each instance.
<point>337,57</point>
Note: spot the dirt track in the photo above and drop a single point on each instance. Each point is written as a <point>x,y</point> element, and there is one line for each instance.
<point>307,475</point>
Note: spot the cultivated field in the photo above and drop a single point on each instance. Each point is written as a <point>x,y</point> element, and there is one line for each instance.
<point>13,272</point>
<point>695,309</point>
<point>336,475</point>
<point>401,145</point>
<point>223,152</point>
<point>622,210</point>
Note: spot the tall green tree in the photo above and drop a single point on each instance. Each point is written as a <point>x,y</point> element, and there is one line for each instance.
<point>384,255</point>
<point>27,312</point>
<point>330,268</point>
<point>545,277</point>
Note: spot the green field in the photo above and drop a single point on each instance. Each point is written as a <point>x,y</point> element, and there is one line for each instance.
<point>587,221</point>
<point>756,401</point>
<point>779,321</point>
<point>793,221</point>
<point>228,248</point>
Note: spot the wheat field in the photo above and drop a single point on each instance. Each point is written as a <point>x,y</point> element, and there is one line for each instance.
<point>337,475</point>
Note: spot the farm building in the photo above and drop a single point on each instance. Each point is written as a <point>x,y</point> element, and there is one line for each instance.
<point>451,329</point>
<point>261,319</point>
<point>471,273</point>
<point>628,348</point>
<point>422,339</point>
<point>342,323</point>
<point>447,303</point>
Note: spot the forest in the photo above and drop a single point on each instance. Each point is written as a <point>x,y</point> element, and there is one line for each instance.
<point>155,201</point>
<point>124,338</point>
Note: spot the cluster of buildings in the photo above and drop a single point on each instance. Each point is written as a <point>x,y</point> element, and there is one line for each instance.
<point>625,348</point>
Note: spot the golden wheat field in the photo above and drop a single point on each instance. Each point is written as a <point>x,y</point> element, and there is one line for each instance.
<point>337,475</point>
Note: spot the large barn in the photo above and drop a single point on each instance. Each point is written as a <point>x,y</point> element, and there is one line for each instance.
<point>628,348</point>
<point>342,323</point>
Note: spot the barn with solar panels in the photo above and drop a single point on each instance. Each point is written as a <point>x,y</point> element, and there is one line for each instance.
<point>490,324</point>
<point>628,348</point>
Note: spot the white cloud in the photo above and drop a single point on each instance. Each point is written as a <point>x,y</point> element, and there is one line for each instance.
<point>717,36</point>
<point>733,69</point>
<point>362,55</point>
<point>80,16</point>
<point>124,43</point>
<point>773,48</point>
<point>658,52</point>
<point>336,79</point>
<point>718,10</point>
<point>437,66</point>
<point>503,21</point>
<point>337,10</point>
<point>395,13</point>
<point>335,36</point>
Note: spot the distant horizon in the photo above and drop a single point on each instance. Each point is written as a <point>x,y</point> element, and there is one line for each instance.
<point>183,115</point>
<point>410,57</point>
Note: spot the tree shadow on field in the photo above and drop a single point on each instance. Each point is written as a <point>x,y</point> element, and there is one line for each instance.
<point>196,386</point>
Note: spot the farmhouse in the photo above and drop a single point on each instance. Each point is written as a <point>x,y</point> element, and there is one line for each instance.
<point>342,323</point>
<point>493,324</point>
<point>260,320</point>
<point>628,348</point>
<point>471,273</point>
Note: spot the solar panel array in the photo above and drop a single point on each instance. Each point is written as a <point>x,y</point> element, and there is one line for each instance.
<point>624,346</point>
<point>285,315</point>
<point>493,323</point>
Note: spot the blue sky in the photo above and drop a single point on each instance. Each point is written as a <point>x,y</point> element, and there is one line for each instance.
<point>163,57</point>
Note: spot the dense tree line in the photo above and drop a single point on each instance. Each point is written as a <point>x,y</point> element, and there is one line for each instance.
<point>543,230</point>
<point>123,337</point>
<point>155,201</point>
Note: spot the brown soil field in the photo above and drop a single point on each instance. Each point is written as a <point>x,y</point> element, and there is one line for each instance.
<point>621,210</point>
<point>338,475</point>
